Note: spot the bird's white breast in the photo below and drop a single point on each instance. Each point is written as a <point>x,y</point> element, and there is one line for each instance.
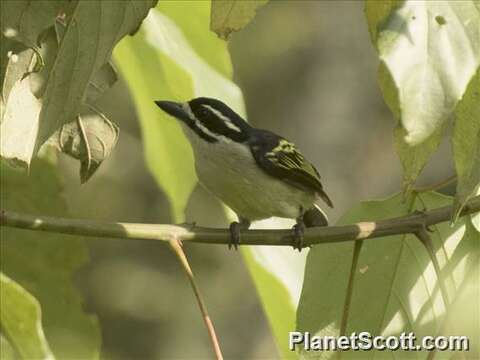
<point>229,171</point>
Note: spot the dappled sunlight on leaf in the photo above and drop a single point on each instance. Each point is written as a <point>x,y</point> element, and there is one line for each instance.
<point>396,325</point>
<point>431,63</point>
<point>274,258</point>
<point>164,35</point>
<point>397,288</point>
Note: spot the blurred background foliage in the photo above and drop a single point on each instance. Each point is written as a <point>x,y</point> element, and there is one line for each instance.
<point>317,86</point>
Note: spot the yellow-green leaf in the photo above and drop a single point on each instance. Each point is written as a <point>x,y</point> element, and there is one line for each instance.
<point>232,15</point>
<point>466,144</point>
<point>21,320</point>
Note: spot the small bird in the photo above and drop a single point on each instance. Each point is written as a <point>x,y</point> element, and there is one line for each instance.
<point>255,172</point>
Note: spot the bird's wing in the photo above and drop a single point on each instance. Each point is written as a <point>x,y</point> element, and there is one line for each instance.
<point>281,158</point>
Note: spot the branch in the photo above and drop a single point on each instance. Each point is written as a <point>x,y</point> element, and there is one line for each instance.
<point>409,224</point>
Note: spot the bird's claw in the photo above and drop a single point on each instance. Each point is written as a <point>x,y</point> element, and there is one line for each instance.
<point>298,231</point>
<point>234,235</point>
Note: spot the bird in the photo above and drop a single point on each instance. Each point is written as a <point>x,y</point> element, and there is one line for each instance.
<point>255,172</point>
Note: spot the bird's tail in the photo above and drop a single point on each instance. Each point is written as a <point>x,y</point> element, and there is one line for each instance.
<point>315,217</point>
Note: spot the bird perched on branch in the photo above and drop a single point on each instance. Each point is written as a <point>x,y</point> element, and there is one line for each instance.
<point>255,172</point>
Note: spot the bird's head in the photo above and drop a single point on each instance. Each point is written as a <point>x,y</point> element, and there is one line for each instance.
<point>210,119</point>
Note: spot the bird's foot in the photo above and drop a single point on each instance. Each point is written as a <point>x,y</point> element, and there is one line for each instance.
<point>234,235</point>
<point>298,231</point>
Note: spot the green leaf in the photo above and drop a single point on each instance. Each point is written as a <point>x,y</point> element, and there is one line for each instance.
<point>396,288</point>
<point>25,20</point>
<point>92,29</point>
<point>414,158</point>
<point>432,50</point>
<point>232,15</point>
<point>277,274</point>
<point>466,144</point>
<point>44,263</point>
<point>90,139</point>
<point>466,299</point>
<point>20,318</point>
<point>205,43</point>
<point>180,73</point>
<point>7,351</point>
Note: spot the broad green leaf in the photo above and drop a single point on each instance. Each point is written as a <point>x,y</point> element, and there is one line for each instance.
<point>7,352</point>
<point>432,50</point>
<point>20,319</point>
<point>232,15</point>
<point>465,301</point>
<point>91,30</point>
<point>396,288</point>
<point>466,144</point>
<point>159,62</point>
<point>413,158</point>
<point>44,263</point>
<point>278,276</point>
<point>205,43</point>
<point>25,20</point>
<point>90,138</point>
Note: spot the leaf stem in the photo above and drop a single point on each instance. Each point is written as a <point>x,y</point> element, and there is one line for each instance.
<point>176,246</point>
<point>409,224</point>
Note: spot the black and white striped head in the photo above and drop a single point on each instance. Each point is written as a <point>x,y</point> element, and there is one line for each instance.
<point>210,119</point>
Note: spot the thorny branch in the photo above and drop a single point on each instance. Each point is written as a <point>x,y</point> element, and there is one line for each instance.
<point>409,224</point>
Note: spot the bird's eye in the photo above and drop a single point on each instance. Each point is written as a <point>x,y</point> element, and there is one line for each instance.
<point>203,111</point>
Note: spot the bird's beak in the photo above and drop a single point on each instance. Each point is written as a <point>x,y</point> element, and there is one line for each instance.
<point>174,109</point>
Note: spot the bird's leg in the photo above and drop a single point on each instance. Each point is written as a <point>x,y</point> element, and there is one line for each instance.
<point>298,231</point>
<point>235,228</point>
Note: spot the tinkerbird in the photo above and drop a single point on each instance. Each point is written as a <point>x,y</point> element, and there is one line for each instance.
<point>255,172</point>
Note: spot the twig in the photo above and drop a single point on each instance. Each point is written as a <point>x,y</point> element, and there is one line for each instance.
<point>177,249</point>
<point>436,186</point>
<point>409,224</point>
